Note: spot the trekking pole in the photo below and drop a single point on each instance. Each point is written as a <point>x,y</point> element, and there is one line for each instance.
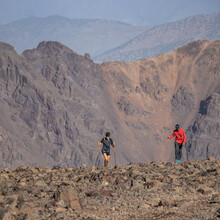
<point>115,157</point>
<point>97,158</point>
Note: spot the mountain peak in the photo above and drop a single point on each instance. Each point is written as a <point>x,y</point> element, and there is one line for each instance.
<point>193,48</point>
<point>6,47</point>
<point>48,49</point>
<point>52,46</point>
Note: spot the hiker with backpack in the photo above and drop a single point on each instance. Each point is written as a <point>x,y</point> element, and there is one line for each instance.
<point>180,141</point>
<point>106,142</point>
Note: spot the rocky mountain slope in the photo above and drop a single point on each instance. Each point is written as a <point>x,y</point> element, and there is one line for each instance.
<point>81,35</point>
<point>55,105</point>
<point>165,38</point>
<point>186,190</point>
<point>152,95</point>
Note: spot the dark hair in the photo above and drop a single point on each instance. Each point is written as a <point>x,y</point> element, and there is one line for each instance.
<point>177,126</point>
<point>107,134</point>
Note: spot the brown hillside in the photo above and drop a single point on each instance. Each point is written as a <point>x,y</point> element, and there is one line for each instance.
<point>152,95</point>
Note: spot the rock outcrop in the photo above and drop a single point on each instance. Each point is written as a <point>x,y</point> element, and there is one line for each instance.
<point>203,135</point>
<point>52,103</point>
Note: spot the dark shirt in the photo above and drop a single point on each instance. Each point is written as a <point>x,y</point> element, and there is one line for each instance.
<point>106,144</point>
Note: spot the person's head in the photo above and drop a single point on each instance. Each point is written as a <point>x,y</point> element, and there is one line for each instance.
<point>107,134</point>
<point>177,126</point>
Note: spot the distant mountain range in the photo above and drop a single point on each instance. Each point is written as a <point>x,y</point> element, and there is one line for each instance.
<point>135,12</point>
<point>56,105</point>
<point>110,40</point>
<point>165,38</point>
<point>81,35</point>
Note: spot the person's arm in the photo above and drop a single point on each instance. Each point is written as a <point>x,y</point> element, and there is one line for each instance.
<point>99,144</point>
<point>112,143</point>
<point>173,135</point>
<point>184,138</point>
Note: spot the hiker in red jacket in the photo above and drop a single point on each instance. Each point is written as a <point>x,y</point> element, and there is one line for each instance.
<point>180,141</point>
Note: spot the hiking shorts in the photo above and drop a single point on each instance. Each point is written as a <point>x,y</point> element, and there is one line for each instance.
<point>106,152</point>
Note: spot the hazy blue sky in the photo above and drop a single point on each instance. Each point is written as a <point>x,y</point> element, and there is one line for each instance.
<point>136,12</point>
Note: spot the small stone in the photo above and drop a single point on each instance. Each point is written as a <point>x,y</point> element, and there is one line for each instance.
<point>211,158</point>
<point>60,209</point>
<point>6,170</point>
<point>4,177</point>
<point>205,190</point>
<point>76,178</point>
<point>75,205</point>
<point>40,183</point>
<point>34,170</point>
<point>43,194</point>
<point>61,203</point>
<point>23,184</point>
<point>105,183</point>
<point>48,171</point>
<point>145,206</point>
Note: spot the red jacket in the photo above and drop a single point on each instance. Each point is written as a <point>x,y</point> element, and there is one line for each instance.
<point>180,136</point>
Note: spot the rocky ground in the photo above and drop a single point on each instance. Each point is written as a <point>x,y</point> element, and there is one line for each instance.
<point>185,190</point>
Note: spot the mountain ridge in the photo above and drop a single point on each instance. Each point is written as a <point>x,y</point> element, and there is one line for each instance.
<point>110,40</point>
<point>143,12</point>
<point>166,38</point>
<point>81,35</point>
